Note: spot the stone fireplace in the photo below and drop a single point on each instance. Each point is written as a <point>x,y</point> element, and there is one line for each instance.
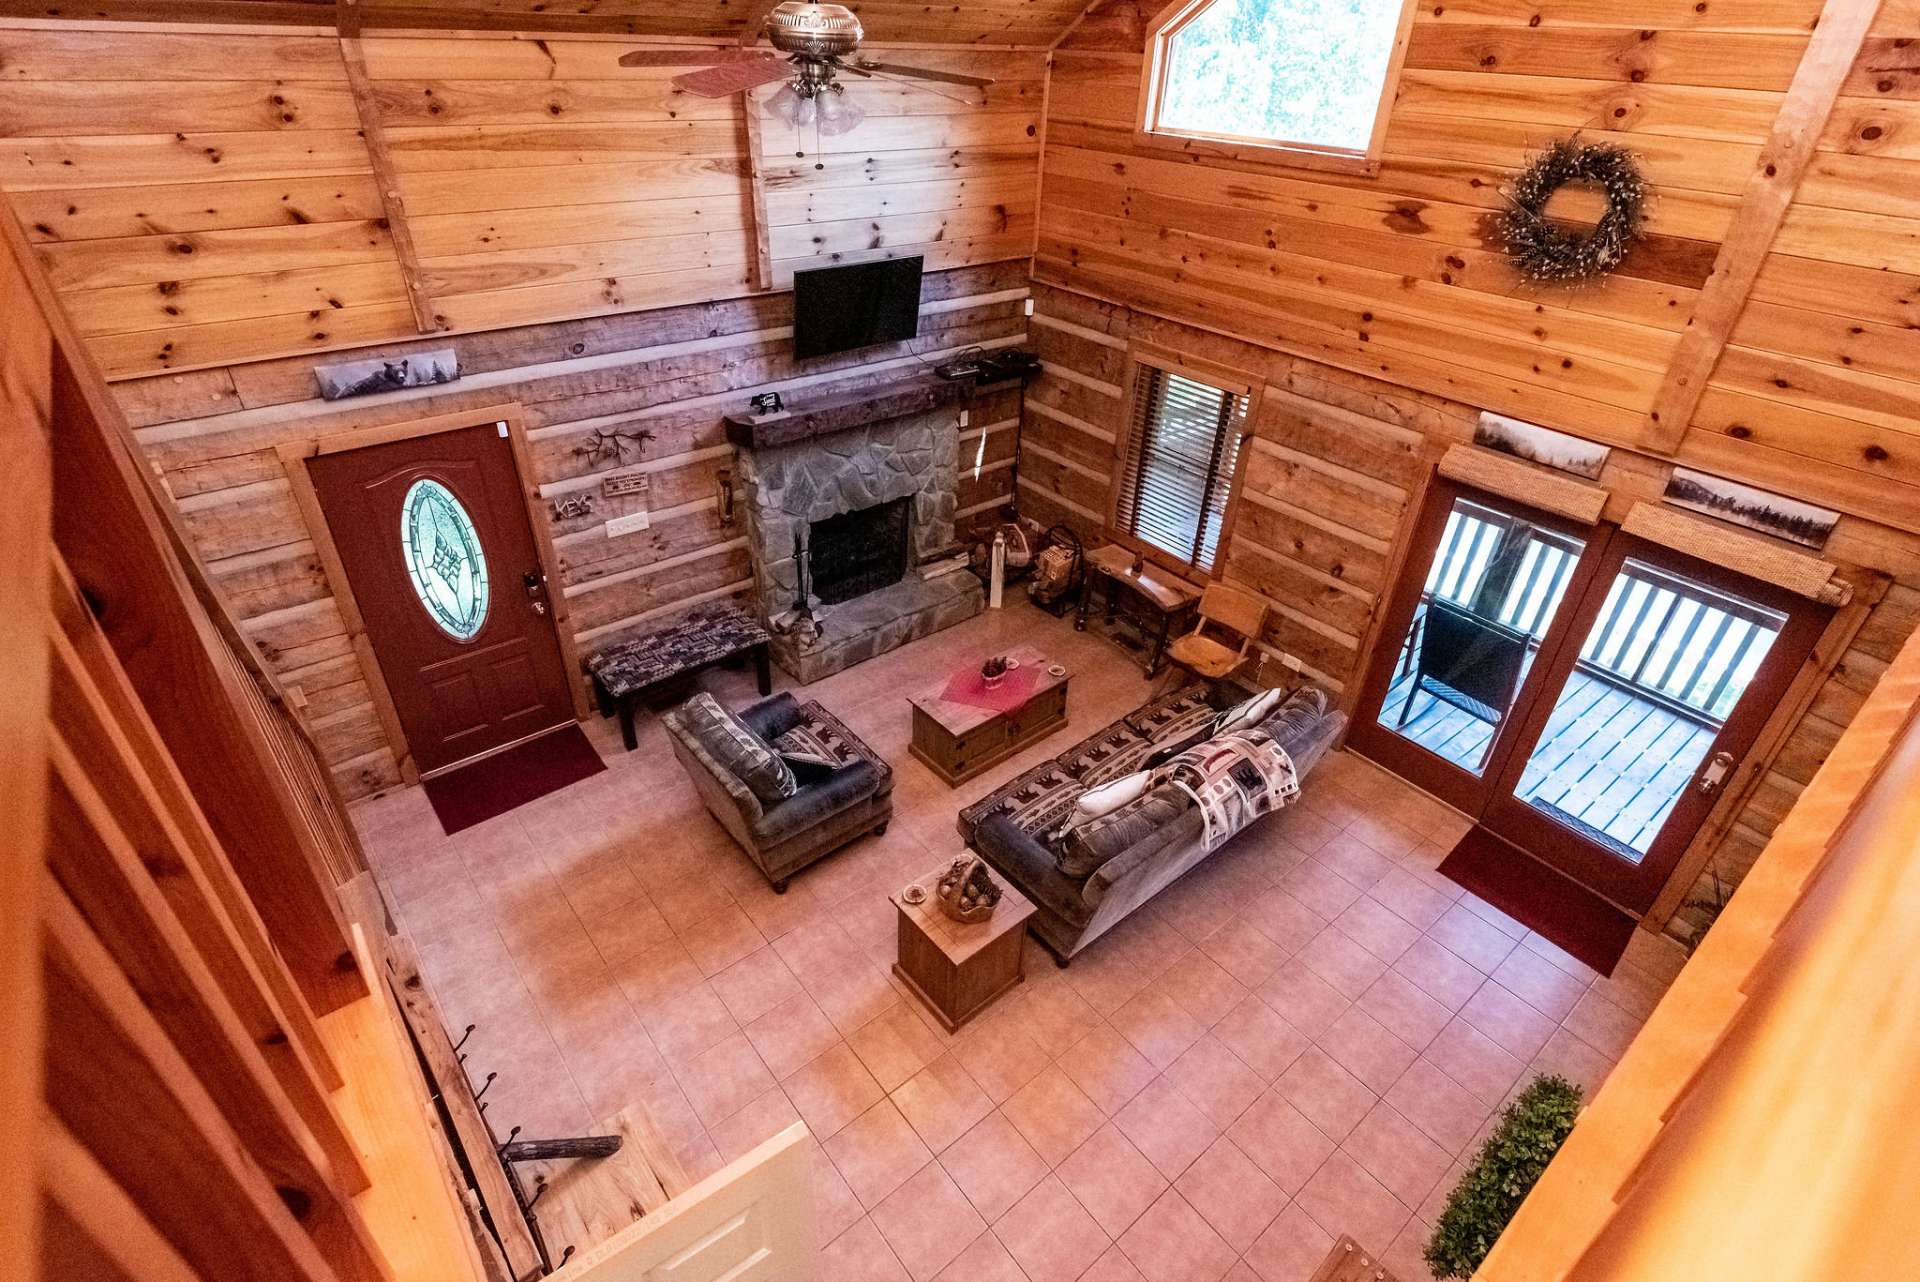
<point>860,493</point>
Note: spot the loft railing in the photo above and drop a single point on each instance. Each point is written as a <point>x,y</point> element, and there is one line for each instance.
<point>1666,638</point>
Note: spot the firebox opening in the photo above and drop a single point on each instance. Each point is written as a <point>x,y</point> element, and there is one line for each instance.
<point>859,552</point>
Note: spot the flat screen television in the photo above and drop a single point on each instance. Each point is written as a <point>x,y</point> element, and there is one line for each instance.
<point>836,309</point>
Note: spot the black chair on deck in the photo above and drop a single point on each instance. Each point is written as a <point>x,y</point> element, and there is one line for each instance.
<point>1467,660</point>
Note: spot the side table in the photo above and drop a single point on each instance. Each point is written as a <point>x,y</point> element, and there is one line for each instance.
<point>1160,601</point>
<point>959,969</point>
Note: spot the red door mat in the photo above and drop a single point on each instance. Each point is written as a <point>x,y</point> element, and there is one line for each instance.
<point>1538,897</point>
<point>473,794</point>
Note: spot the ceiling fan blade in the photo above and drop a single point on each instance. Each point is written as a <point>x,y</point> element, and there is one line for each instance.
<point>916,86</point>
<point>687,57</point>
<point>732,77</point>
<point>921,73</point>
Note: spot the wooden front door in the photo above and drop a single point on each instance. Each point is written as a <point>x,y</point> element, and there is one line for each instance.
<point>433,535</point>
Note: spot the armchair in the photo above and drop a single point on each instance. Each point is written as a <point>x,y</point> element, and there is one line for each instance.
<point>828,811</point>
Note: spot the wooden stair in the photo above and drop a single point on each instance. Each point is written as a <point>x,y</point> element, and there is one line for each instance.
<point>1347,1262</point>
<point>587,1201</point>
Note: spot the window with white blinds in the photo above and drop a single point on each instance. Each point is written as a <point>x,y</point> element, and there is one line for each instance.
<point>1182,447</point>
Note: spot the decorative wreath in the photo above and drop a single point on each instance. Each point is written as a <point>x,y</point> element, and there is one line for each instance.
<point>1544,251</point>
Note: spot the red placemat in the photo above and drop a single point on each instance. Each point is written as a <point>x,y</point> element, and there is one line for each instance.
<point>1015,688</point>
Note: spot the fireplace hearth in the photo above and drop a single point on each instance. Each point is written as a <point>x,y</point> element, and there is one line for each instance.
<point>858,552</point>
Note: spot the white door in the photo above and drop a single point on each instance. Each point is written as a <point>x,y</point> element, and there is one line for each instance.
<point>750,1221</point>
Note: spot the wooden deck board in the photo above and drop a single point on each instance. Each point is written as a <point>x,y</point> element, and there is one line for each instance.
<point>1607,757</point>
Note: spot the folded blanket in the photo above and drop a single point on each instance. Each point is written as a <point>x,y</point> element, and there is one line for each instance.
<point>1234,779</point>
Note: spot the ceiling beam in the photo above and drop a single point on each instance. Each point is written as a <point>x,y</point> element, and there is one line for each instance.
<point>386,174</point>
<point>1829,56</point>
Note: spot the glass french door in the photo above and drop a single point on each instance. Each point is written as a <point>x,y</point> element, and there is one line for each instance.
<point>1583,694</point>
<point>1481,601</point>
<point>1671,668</point>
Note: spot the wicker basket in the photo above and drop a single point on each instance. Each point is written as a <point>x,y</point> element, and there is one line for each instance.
<point>967,891</point>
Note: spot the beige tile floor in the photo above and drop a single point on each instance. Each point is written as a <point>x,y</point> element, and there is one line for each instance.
<point>1302,1038</point>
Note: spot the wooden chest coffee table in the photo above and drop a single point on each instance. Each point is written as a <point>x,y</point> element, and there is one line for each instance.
<point>958,969</point>
<point>959,740</point>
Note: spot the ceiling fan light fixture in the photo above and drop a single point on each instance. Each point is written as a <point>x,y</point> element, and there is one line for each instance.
<point>785,103</point>
<point>838,113</point>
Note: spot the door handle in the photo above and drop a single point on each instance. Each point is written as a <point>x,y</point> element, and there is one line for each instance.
<point>536,585</point>
<point>1718,767</point>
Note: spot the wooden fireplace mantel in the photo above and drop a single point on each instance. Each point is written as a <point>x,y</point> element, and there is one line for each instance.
<point>853,409</point>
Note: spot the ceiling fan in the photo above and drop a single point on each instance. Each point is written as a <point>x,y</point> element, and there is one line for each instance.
<point>817,41</point>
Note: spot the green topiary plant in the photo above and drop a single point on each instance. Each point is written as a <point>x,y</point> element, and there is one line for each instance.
<point>1530,1132</point>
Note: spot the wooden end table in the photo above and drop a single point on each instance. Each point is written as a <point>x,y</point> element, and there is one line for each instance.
<point>625,674</point>
<point>959,969</point>
<point>959,740</point>
<point>1160,602</point>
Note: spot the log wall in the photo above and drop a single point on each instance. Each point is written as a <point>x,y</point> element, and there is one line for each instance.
<point>1331,485</point>
<point>1382,316</point>
<point>1397,276</point>
<point>647,388</point>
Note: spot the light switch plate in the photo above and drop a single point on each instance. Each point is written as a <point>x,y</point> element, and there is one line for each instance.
<point>628,524</point>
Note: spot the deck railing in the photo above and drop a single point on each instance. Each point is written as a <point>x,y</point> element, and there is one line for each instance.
<point>1680,643</point>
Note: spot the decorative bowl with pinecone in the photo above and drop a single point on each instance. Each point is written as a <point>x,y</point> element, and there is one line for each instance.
<point>967,891</point>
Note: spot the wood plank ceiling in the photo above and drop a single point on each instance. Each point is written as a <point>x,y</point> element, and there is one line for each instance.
<point>1021,23</point>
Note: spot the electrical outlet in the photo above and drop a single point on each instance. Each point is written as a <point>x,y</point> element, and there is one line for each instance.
<point>1029,307</point>
<point>966,417</point>
<point>1291,662</point>
<point>628,524</point>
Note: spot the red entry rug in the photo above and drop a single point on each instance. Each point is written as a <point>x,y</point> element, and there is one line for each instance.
<point>1537,896</point>
<point>492,786</point>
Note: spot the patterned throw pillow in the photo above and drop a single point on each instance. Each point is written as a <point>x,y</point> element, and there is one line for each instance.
<point>1117,752</point>
<point>1092,844</point>
<point>1174,717</point>
<point>738,749</point>
<point>815,738</point>
<point>1043,800</point>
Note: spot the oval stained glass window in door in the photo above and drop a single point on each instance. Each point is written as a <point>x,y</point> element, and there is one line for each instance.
<point>444,560</point>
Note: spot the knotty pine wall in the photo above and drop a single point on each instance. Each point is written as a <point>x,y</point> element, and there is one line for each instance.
<point>1396,275</point>
<point>670,373</point>
<point>208,206</point>
<point>204,197</point>
<point>1381,315</point>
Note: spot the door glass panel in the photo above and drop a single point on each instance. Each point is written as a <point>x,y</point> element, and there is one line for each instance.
<point>444,561</point>
<point>1664,663</point>
<point>1492,589</point>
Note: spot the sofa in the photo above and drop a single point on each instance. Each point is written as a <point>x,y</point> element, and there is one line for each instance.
<point>1011,827</point>
<point>829,808</point>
